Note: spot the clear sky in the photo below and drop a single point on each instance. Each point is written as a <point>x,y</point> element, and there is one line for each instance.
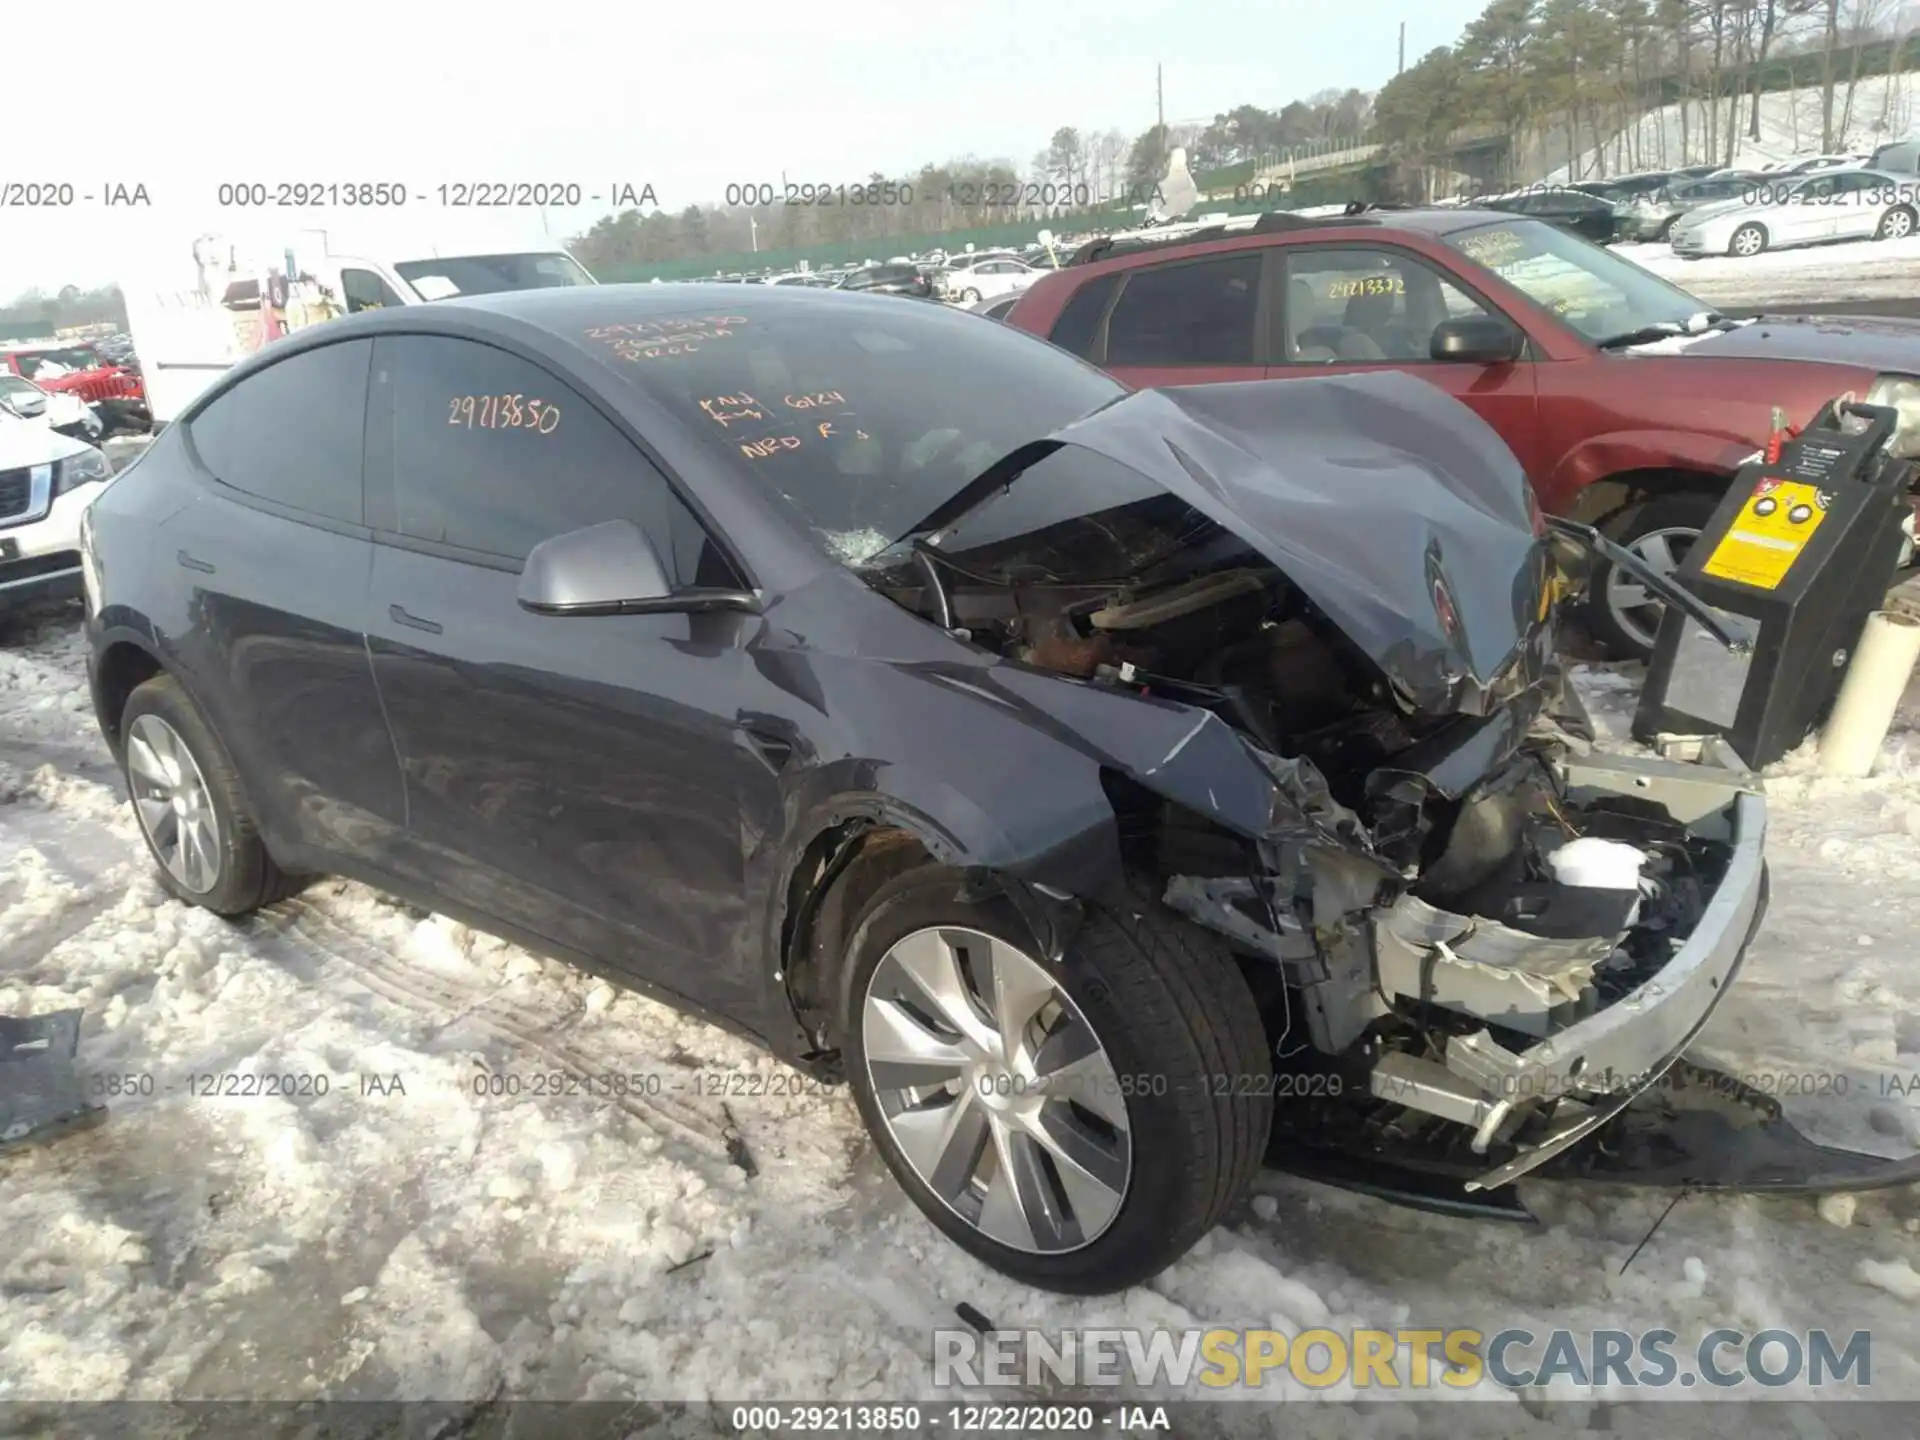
<point>685,97</point>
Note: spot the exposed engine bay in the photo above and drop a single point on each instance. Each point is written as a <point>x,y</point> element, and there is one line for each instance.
<point>1465,930</point>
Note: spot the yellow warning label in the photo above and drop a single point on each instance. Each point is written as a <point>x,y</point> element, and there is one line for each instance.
<point>1768,534</point>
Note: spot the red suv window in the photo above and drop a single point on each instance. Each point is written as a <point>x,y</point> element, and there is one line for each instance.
<point>1195,312</point>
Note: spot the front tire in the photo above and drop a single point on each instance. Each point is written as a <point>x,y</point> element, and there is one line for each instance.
<point>1620,613</point>
<point>1077,1124</point>
<point>1747,242</point>
<point>970,296</point>
<point>189,804</point>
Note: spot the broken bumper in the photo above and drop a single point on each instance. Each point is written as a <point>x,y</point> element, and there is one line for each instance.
<point>1579,1077</point>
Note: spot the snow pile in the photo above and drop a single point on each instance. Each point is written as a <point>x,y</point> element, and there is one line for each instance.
<point>416,1229</point>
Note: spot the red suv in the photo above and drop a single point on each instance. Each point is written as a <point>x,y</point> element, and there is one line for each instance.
<point>70,367</point>
<point>1629,401</point>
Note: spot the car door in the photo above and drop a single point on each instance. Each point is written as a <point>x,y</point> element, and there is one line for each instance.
<point>1012,275</point>
<point>1187,322</point>
<point>276,552</point>
<point>584,779</point>
<point>1808,214</point>
<point>1857,205</point>
<point>1374,307</point>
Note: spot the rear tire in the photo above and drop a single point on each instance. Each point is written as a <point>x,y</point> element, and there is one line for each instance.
<point>1163,1001</point>
<point>234,873</point>
<point>1673,521</point>
<point>1897,224</point>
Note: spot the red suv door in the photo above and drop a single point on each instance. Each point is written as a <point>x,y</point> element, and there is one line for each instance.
<point>1345,307</point>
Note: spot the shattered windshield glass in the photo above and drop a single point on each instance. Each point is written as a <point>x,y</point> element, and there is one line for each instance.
<point>862,418</point>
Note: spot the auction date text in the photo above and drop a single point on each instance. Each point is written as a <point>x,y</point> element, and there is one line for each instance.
<point>64,194</point>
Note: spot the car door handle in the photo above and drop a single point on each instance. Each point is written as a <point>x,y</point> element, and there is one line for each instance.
<point>412,622</point>
<point>191,563</point>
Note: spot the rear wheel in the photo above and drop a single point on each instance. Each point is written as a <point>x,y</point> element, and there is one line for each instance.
<point>1622,614</point>
<point>1896,224</point>
<point>1748,241</point>
<point>1076,1123</point>
<point>187,798</point>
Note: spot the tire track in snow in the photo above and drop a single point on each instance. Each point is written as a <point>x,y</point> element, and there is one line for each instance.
<point>300,929</point>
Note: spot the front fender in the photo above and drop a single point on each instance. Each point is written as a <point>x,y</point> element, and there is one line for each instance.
<point>1004,768</point>
<point>1712,457</point>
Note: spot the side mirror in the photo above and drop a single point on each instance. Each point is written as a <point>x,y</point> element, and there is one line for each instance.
<point>612,569</point>
<point>1477,340</point>
<point>28,405</point>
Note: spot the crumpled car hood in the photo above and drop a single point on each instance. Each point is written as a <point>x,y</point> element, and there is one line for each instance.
<point>1394,508</point>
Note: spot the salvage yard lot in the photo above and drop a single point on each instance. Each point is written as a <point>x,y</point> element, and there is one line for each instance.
<point>723,1229</point>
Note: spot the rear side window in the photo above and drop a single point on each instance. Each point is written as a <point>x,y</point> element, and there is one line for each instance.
<point>1078,327</point>
<point>1202,312</point>
<point>492,454</point>
<point>291,433</point>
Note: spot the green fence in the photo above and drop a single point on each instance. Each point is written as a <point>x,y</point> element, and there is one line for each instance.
<point>1358,182</point>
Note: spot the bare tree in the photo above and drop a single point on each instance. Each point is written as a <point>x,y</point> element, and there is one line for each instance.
<point>1863,21</point>
<point>1829,42</point>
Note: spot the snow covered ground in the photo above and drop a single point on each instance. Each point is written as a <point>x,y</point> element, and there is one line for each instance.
<point>436,1242</point>
<point>1855,270</point>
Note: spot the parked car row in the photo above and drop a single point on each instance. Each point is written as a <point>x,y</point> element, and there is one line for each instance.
<point>961,277</point>
<point>1646,207</point>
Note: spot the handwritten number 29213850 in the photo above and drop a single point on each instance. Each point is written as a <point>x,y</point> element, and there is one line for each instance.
<point>504,412</point>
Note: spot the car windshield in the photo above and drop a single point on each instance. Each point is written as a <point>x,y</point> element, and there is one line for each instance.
<point>11,385</point>
<point>862,416</point>
<point>485,274</point>
<point>1587,287</point>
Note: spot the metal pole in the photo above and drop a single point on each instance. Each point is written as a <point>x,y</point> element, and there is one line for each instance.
<point>1403,49</point>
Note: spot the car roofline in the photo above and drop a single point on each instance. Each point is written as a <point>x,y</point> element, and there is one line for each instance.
<point>1358,214</point>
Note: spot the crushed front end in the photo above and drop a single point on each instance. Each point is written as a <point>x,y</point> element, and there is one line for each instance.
<point>1338,735</point>
<point>1478,1017</point>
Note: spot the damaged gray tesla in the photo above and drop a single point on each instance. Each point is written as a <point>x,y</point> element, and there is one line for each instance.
<point>1118,791</point>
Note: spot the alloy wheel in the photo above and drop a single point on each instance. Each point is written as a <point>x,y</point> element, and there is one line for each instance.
<point>1634,608</point>
<point>1897,225</point>
<point>996,1090</point>
<point>1749,241</point>
<point>175,807</point>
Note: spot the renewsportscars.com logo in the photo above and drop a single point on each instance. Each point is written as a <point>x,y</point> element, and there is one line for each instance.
<point>1407,1360</point>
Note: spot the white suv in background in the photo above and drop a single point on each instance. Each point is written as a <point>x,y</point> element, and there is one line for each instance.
<point>46,482</point>
<point>968,278</point>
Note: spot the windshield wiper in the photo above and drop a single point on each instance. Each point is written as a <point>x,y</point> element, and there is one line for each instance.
<point>1669,589</point>
<point>983,487</point>
<point>1698,324</point>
